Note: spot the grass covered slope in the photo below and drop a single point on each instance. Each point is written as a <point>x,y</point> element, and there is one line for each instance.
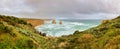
<point>16,33</point>
<point>104,36</point>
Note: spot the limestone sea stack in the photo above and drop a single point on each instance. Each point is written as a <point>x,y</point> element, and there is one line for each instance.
<point>53,21</point>
<point>60,22</point>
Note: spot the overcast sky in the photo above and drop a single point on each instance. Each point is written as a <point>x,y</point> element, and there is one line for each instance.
<point>61,9</point>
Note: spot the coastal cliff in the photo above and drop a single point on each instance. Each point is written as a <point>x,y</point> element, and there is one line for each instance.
<point>35,22</point>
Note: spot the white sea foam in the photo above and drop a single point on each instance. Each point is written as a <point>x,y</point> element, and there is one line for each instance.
<point>77,23</point>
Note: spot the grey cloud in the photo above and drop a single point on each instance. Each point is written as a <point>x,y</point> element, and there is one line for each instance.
<point>61,8</point>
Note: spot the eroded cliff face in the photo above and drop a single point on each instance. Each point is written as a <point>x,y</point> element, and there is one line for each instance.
<point>35,22</point>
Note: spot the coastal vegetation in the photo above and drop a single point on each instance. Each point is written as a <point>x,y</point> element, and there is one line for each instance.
<point>104,36</point>
<point>17,33</point>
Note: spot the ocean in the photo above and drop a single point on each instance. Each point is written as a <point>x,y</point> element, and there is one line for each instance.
<point>67,27</point>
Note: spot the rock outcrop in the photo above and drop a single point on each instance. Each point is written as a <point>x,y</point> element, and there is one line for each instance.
<point>35,22</point>
<point>60,22</point>
<point>105,21</point>
<point>53,21</point>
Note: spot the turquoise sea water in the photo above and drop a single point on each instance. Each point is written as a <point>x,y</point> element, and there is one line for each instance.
<point>68,26</point>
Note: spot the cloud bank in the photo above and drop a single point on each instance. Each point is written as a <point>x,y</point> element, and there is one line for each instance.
<point>61,9</point>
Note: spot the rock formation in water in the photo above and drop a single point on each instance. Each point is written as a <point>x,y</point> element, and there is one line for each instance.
<point>60,22</point>
<point>53,21</point>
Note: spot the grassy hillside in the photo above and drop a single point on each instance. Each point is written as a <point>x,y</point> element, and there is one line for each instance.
<point>104,36</point>
<point>16,33</point>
